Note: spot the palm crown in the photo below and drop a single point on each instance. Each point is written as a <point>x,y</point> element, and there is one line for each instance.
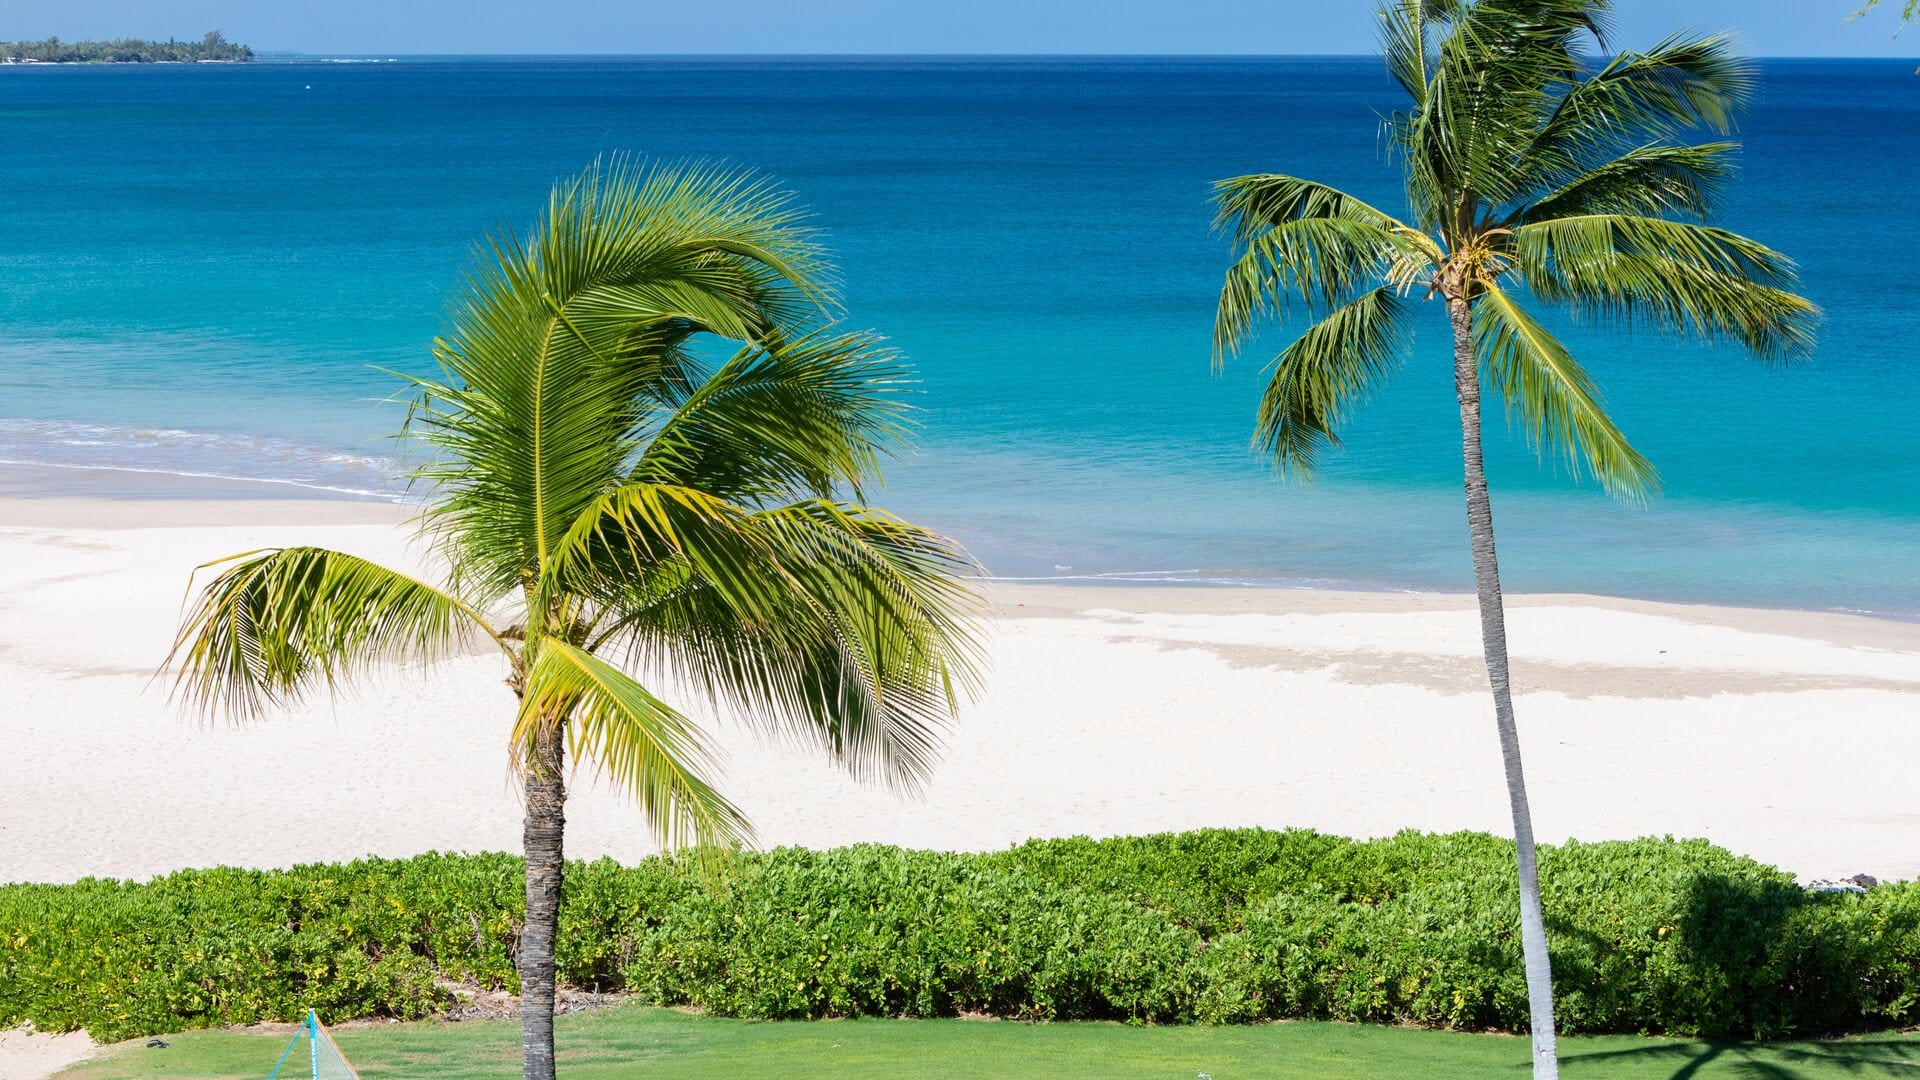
<point>611,497</point>
<point>1530,174</point>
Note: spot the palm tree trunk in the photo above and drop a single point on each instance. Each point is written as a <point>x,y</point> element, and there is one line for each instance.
<point>1493,637</point>
<point>545,826</point>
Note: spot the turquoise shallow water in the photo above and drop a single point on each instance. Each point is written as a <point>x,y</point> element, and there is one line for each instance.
<point>201,268</point>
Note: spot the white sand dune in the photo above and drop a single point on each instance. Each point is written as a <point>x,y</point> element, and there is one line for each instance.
<point>1786,736</point>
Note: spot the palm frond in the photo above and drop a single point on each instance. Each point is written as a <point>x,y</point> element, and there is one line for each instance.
<point>877,676</point>
<point>1498,67</point>
<point>639,531</point>
<point>1300,242</point>
<point>832,625</point>
<point>1681,276</point>
<point>1406,29</point>
<point>274,624</point>
<point>1683,84</point>
<point>1647,181</point>
<point>1319,262</point>
<point>550,371</point>
<point>806,415</point>
<point>1557,402</point>
<point>1245,206</point>
<point>624,220</point>
<point>1331,367</point>
<point>633,739</point>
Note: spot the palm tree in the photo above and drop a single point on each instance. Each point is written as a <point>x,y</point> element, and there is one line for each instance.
<point>1527,173</point>
<point>611,496</point>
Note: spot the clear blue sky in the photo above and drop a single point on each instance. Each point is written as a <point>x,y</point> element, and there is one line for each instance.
<point>1772,27</point>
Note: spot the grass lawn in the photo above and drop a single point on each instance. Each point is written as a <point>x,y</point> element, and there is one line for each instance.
<point>663,1043</point>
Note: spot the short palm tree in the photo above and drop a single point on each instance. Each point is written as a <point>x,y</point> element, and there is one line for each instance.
<point>612,496</point>
<point>1530,176</point>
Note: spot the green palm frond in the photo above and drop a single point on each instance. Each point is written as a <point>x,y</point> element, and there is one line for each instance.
<point>273,624</point>
<point>1648,181</point>
<point>1497,68</point>
<point>831,624</point>
<point>1318,262</point>
<point>1557,402</point>
<point>1300,242</point>
<point>807,415</point>
<point>632,738</point>
<point>1686,82</point>
<point>546,376</point>
<point>1406,29</point>
<point>632,531</point>
<point>1333,366</point>
<point>893,650</point>
<point>1245,206</point>
<point>1680,276</point>
<point>621,221</point>
<point>1683,84</point>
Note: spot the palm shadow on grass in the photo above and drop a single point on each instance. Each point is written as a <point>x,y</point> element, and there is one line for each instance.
<point>1764,1061</point>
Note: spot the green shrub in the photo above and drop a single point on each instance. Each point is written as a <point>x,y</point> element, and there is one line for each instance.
<point>880,931</point>
<point>1214,926</point>
<point>211,947</point>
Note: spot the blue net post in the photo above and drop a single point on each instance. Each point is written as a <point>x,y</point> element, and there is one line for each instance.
<point>313,1042</point>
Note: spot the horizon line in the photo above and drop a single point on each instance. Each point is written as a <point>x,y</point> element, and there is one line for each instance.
<point>752,55</point>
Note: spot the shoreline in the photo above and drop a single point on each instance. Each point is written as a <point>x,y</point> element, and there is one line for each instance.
<point>99,497</point>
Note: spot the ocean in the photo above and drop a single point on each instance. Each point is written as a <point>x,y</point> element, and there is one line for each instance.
<point>203,270</point>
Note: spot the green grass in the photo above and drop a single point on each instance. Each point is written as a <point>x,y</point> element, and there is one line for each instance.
<point>665,1043</point>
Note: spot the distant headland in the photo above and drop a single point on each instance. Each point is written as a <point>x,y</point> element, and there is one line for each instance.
<point>212,48</point>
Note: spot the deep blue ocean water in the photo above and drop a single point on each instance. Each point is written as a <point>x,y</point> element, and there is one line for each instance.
<point>201,269</point>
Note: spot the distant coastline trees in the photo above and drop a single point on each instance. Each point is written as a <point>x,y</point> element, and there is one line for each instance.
<point>212,46</point>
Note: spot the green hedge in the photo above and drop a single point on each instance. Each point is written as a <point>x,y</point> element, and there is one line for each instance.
<point>1212,926</point>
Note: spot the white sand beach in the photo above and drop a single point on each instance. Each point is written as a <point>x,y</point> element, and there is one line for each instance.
<point>1786,736</point>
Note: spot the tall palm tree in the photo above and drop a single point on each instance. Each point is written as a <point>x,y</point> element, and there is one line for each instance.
<point>613,496</point>
<point>1529,176</point>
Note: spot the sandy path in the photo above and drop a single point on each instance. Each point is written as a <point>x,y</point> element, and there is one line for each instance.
<point>29,1055</point>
